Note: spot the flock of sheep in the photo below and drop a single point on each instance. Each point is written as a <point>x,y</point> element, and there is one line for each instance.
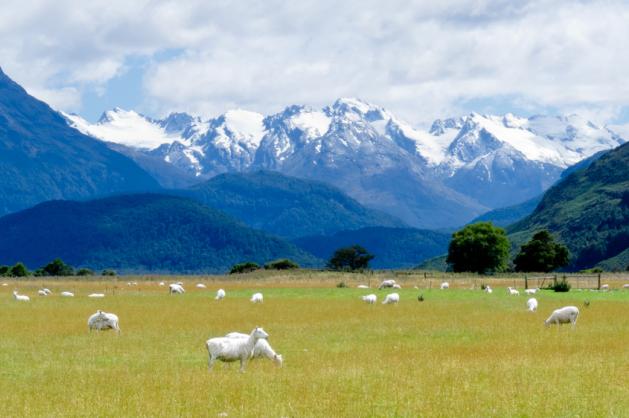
<point>241,347</point>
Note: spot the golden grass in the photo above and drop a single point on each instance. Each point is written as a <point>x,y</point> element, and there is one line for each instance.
<point>458,353</point>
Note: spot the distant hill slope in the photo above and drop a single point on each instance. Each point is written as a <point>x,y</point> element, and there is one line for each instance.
<point>588,210</point>
<point>510,214</point>
<point>393,247</point>
<point>42,158</point>
<point>286,206</point>
<point>137,233</point>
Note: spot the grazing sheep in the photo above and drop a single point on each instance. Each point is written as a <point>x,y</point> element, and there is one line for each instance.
<point>565,315</point>
<point>96,295</point>
<point>625,286</point>
<point>605,287</point>
<point>231,349</point>
<point>175,289</point>
<point>67,294</point>
<point>162,284</point>
<point>445,285</point>
<point>220,294</point>
<point>43,292</point>
<point>363,286</point>
<point>370,299</point>
<point>488,289</point>
<point>132,283</point>
<point>20,298</point>
<point>391,298</point>
<point>531,304</point>
<point>257,298</point>
<point>531,291</point>
<point>512,291</point>
<point>261,349</point>
<point>396,286</point>
<point>387,283</point>
<point>201,286</point>
<point>101,321</point>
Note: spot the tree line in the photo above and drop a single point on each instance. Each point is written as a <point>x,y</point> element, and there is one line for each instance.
<point>55,268</point>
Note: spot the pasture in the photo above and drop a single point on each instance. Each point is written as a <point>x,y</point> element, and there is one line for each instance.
<point>461,352</point>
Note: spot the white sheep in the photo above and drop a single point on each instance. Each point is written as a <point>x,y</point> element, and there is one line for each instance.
<point>531,304</point>
<point>391,298</point>
<point>396,286</point>
<point>96,295</point>
<point>370,299</point>
<point>531,291</point>
<point>162,284</point>
<point>512,291</point>
<point>175,288</point>
<point>445,285</point>
<point>67,294</point>
<point>261,349</point>
<point>44,292</point>
<point>387,283</point>
<point>605,287</point>
<point>20,298</point>
<point>201,286</point>
<point>362,286</point>
<point>488,289</point>
<point>5,284</point>
<point>625,286</point>
<point>231,349</point>
<point>257,298</point>
<point>220,294</point>
<point>101,321</point>
<point>565,315</point>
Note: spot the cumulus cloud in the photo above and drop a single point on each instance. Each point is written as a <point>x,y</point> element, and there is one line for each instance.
<point>421,60</point>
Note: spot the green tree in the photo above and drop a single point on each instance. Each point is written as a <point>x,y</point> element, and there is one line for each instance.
<point>350,258</point>
<point>281,264</point>
<point>542,254</point>
<point>85,272</point>
<point>18,270</point>
<point>244,268</point>
<point>108,272</point>
<point>4,270</point>
<point>57,268</point>
<point>479,248</point>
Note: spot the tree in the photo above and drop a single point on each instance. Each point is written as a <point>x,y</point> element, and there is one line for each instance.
<point>57,268</point>
<point>281,264</point>
<point>244,268</point>
<point>541,254</point>
<point>18,270</point>
<point>85,272</point>
<point>479,248</point>
<point>108,272</point>
<point>350,258</point>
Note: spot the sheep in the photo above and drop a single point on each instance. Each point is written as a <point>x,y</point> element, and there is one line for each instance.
<point>103,321</point>
<point>512,291</point>
<point>5,284</point>
<point>161,284</point>
<point>257,298</point>
<point>44,292</point>
<point>625,286</point>
<point>220,294</point>
<point>396,286</point>
<point>201,286</point>
<point>231,349</point>
<point>565,315</point>
<point>387,283</point>
<point>175,289</point>
<point>531,304</point>
<point>67,294</point>
<point>531,291</point>
<point>605,287</point>
<point>96,295</point>
<point>391,298</point>
<point>370,299</point>
<point>488,289</point>
<point>445,285</point>
<point>20,298</point>
<point>363,286</point>
<point>261,349</point>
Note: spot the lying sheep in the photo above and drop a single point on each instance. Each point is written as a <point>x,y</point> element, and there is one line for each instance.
<point>391,298</point>
<point>220,294</point>
<point>201,286</point>
<point>257,298</point>
<point>231,349</point>
<point>396,286</point>
<point>605,287</point>
<point>362,286</point>
<point>175,288</point>
<point>445,285</point>
<point>67,294</point>
<point>387,283</point>
<point>96,295</point>
<point>44,292</point>
<point>261,349</point>
<point>565,315</point>
<point>370,299</point>
<point>531,304</point>
<point>101,321</point>
<point>531,291</point>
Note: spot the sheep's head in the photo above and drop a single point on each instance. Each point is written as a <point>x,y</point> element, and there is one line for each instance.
<point>278,359</point>
<point>259,333</point>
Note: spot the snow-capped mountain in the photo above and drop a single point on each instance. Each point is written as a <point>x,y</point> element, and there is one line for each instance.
<point>439,177</point>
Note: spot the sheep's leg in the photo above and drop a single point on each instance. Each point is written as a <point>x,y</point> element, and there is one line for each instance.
<point>243,363</point>
<point>210,362</point>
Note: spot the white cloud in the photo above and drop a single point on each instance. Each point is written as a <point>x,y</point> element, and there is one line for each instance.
<point>421,61</point>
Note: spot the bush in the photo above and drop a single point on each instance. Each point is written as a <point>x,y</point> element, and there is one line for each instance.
<point>247,267</point>
<point>108,272</point>
<point>18,270</point>
<point>561,286</point>
<point>85,272</point>
<point>341,285</point>
<point>281,264</point>
<point>4,270</point>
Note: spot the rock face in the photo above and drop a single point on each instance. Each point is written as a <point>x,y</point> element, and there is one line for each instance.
<point>442,177</point>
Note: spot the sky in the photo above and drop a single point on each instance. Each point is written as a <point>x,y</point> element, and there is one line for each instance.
<point>421,60</point>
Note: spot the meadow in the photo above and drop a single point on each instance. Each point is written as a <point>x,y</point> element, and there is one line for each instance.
<point>460,352</point>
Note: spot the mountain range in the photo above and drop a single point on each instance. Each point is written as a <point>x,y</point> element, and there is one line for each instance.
<point>441,177</point>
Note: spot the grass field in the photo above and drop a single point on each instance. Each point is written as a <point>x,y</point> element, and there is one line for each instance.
<point>461,352</point>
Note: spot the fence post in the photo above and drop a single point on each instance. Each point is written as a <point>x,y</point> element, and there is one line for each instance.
<point>555,280</point>
<point>526,282</point>
<point>599,281</point>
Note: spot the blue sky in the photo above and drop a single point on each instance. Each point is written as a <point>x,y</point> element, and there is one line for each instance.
<point>421,61</point>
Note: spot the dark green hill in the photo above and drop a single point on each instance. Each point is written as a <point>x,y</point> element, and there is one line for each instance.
<point>286,206</point>
<point>588,211</point>
<point>510,214</point>
<point>42,158</point>
<point>137,233</point>
<point>393,247</point>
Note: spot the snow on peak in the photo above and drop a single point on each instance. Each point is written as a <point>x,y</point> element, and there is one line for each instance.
<point>313,123</point>
<point>364,109</point>
<point>248,126</point>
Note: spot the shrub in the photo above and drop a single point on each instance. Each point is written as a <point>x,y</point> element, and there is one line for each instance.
<point>108,272</point>
<point>18,270</point>
<point>247,267</point>
<point>281,264</point>
<point>85,272</point>
<point>561,286</point>
<point>341,285</point>
<point>4,270</point>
